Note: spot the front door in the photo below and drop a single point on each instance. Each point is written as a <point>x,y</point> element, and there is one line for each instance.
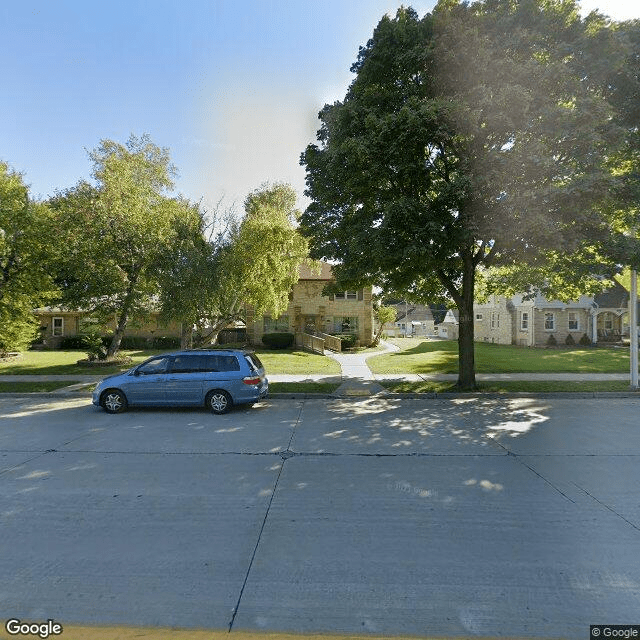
<point>311,324</point>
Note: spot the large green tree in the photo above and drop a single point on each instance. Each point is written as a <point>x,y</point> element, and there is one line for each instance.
<point>25,258</point>
<point>478,135</point>
<point>211,278</point>
<point>115,230</point>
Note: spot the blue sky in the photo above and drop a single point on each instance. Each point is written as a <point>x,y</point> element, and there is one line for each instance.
<point>231,87</point>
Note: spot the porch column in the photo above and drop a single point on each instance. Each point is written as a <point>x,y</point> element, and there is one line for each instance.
<point>594,329</point>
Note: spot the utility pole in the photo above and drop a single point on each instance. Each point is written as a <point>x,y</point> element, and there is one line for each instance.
<point>633,329</point>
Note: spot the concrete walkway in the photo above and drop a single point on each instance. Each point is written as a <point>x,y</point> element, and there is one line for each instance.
<point>357,378</point>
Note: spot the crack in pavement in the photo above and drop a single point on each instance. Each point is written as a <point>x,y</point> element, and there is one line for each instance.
<point>284,455</point>
<point>606,506</point>
<point>524,464</point>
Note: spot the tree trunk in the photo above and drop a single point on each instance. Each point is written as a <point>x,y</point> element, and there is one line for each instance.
<point>466,353</point>
<point>186,335</point>
<point>117,336</point>
<point>122,321</point>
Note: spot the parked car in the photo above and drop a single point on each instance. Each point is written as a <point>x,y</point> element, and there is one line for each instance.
<point>217,379</point>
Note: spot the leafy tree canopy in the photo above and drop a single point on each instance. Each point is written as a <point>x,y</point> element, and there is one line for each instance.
<point>26,245</point>
<point>252,262</point>
<point>479,135</point>
<point>115,230</point>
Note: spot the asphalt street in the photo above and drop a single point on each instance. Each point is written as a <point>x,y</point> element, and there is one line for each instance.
<point>496,517</point>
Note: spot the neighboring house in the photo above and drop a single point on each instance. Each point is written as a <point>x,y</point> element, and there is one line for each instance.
<point>57,323</point>
<point>412,320</point>
<point>309,310</point>
<point>450,327</point>
<point>530,322</point>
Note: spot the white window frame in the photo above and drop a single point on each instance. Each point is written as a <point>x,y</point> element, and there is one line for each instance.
<point>608,321</point>
<point>346,295</point>
<point>57,332</point>
<point>549,316</point>
<point>524,321</point>
<point>478,316</point>
<point>576,321</point>
<point>493,320</point>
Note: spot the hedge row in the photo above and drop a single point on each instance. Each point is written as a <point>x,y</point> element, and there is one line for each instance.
<point>278,340</point>
<point>82,341</point>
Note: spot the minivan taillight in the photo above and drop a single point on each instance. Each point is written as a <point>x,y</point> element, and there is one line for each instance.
<point>251,380</point>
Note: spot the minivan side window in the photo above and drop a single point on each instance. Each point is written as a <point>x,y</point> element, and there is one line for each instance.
<point>186,364</point>
<point>227,363</point>
<point>254,362</point>
<point>203,363</point>
<point>157,365</point>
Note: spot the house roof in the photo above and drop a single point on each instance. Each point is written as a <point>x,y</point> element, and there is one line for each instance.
<point>413,312</point>
<point>319,271</point>
<point>616,297</point>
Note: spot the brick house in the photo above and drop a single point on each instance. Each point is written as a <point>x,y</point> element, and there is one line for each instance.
<point>57,323</point>
<point>310,310</point>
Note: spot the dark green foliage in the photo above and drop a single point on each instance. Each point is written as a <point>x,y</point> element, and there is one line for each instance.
<point>569,341</point>
<point>585,341</point>
<point>469,138</point>
<point>278,340</point>
<point>347,340</point>
<point>79,341</point>
<point>139,343</point>
<point>551,341</point>
<point>165,342</point>
<point>27,247</point>
<point>135,343</point>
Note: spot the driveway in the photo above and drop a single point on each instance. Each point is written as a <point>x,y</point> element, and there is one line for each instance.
<point>493,517</point>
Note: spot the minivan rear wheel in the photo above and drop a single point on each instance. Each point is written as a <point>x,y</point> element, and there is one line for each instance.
<point>219,401</point>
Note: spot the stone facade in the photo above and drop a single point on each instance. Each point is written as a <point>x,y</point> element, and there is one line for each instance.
<point>530,322</point>
<point>493,321</point>
<point>310,310</point>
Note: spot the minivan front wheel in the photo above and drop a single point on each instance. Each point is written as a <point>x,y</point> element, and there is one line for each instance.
<point>113,401</point>
<point>219,401</point>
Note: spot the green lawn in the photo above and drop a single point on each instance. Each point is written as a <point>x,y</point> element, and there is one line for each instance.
<point>302,387</point>
<point>297,362</point>
<point>64,362</point>
<point>32,387</point>
<point>441,356</point>
<point>514,386</point>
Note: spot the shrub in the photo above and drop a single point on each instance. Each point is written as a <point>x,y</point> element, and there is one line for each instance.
<point>166,342</point>
<point>585,341</point>
<point>347,340</point>
<point>95,345</point>
<point>569,340</point>
<point>79,341</point>
<point>551,340</point>
<point>278,340</point>
<point>134,343</point>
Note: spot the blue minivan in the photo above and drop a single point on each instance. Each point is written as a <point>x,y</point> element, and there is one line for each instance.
<point>217,379</point>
